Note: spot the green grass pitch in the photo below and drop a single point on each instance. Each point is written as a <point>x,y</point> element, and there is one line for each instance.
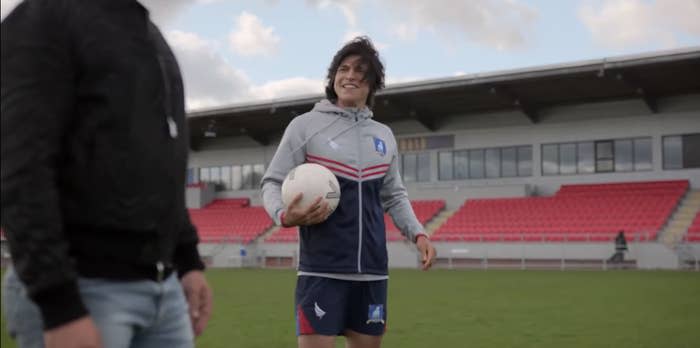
<point>440,308</point>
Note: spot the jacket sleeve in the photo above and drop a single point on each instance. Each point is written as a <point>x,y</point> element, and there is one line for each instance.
<point>290,153</point>
<point>187,256</point>
<point>37,101</point>
<point>395,200</point>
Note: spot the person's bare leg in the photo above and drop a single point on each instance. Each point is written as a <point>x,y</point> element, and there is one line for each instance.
<point>316,341</point>
<point>354,339</point>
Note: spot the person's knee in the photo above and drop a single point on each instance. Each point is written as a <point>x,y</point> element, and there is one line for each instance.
<point>359,340</point>
<point>316,341</point>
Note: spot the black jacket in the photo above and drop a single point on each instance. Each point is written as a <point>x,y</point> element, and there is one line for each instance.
<point>94,149</point>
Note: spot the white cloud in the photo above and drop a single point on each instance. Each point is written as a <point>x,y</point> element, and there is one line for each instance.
<point>211,81</point>
<point>252,38</point>
<point>503,24</point>
<point>286,88</point>
<point>620,23</point>
<point>6,6</point>
<point>348,7</point>
<point>405,32</point>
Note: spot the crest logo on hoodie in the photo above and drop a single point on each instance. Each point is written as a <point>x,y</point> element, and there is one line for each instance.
<point>379,146</point>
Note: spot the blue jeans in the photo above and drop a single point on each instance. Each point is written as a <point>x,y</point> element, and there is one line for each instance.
<point>134,314</point>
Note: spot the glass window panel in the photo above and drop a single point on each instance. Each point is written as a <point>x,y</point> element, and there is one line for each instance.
<point>409,167</point>
<point>476,164</point>
<point>493,163</point>
<point>508,165</point>
<point>204,174</point>
<point>550,159</point>
<point>585,158</point>
<point>604,156</point>
<point>226,177</point>
<point>525,161</point>
<point>642,154</point>
<point>236,178</point>
<point>215,177</point>
<point>445,163</point>
<point>567,158</point>
<point>673,152</point>
<point>247,174</point>
<point>258,172</point>
<point>214,174</point>
<point>691,151</point>
<point>424,166</point>
<point>604,150</point>
<point>461,165</point>
<point>623,156</point>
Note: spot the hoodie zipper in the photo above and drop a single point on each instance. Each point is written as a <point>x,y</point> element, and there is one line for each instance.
<point>359,183</point>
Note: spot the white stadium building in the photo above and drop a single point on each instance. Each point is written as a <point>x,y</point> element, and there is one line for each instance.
<point>537,167</point>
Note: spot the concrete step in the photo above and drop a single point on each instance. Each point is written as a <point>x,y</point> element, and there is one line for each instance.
<point>437,221</point>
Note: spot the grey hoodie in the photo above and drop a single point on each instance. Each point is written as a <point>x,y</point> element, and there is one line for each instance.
<point>363,155</point>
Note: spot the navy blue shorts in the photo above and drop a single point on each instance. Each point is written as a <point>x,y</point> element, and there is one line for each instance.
<point>327,306</point>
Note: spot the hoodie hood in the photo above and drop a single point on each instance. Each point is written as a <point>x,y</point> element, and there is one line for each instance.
<point>326,107</point>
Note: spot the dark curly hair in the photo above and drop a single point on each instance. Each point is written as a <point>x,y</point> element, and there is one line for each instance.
<point>361,46</point>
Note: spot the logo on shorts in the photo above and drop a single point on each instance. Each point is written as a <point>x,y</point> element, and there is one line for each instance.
<point>376,314</point>
<point>319,312</point>
<point>380,146</point>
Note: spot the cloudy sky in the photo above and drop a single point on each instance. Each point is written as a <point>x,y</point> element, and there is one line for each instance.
<point>239,51</point>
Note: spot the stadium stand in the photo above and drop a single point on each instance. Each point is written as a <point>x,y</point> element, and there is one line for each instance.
<point>230,220</point>
<point>694,229</point>
<point>424,209</point>
<point>588,212</point>
<point>284,235</point>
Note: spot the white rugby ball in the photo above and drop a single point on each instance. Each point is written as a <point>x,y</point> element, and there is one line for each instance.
<point>313,180</point>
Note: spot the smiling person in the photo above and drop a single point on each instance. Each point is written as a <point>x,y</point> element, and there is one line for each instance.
<point>343,274</point>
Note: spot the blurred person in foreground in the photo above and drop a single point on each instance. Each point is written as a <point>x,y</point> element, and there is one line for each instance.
<point>343,264</point>
<point>94,155</point>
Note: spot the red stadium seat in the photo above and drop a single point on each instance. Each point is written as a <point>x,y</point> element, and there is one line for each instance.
<point>576,213</point>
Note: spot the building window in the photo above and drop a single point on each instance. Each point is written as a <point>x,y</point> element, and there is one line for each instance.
<point>550,159</point>
<point>642,154</point>
<point>239,177</point>
<point>258,172</point>
<point>493,163</point>
<point>204,174</point>
<point>461,165</point>
<point>236,177</point>
<point>624,161</point>
<point>619,155</point>
<point>415,167</point>
<point>476,164</point>
<point>485,163</point>
<point>567,158</point>
<point>226,177</point>
<point>509,163</point>
<point>585,154</point>
<point>445,166</point>
<point>525,161</point>
<point>604,156</point>
<point>247,174</point>
<point>681,151</point>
